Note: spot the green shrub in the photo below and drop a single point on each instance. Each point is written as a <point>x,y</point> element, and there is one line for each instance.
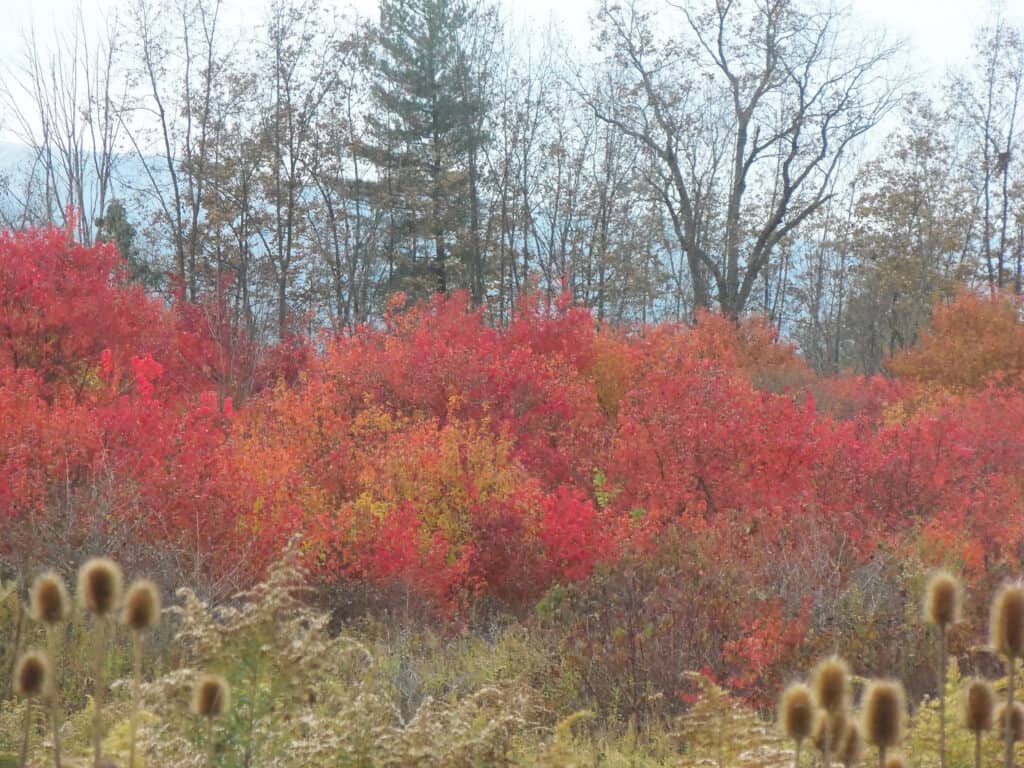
<point>923,736</point>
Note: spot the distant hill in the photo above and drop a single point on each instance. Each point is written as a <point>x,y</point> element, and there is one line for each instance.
<point>12,156</point>
<point>16,163</point>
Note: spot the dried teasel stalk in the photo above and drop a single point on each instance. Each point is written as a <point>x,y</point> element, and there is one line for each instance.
<point>942,606</point>
<point>49,601</point>
<point>884,711</point>
<point>1006,635</point>
<point>979,705</point>
<point>796,715</point>
<point>33,679</point>
<point>211,698</point>
<point>830,681</point>
<point>33,675</point>
<point>50,604</point>
<point>100,584</point>
<point>141,612</point>
<point>1011,723</point>
<point>851,749</point>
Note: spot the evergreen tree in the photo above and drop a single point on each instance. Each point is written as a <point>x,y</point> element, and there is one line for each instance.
<point>424,139</point>
<point>115,228</point>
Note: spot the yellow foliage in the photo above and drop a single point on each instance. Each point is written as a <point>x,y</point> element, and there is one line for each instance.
<point>721,731</point>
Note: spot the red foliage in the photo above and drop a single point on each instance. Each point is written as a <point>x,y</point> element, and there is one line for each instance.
<point>115,410</point>
<point>62,305</point>
<point>461,461</point>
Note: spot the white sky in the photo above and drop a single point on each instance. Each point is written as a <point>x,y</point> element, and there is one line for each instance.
<point>940,32</point>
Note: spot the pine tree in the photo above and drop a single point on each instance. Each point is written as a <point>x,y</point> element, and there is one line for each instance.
<point>115,228</point>
<point>425,135</point>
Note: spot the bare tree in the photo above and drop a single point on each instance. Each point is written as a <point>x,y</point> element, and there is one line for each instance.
<point>523,94</point>
<point>305,56</point>
<point>65,105</point>
<point>343,223</point>
<point>181,61</point>
<point>988,100</point>
<point>747,114</point>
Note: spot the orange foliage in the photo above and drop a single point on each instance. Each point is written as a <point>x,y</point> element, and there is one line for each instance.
<point>972,341</point>
<point>461,461</point>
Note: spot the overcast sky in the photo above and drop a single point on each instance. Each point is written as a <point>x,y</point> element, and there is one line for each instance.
<point>939,31</point>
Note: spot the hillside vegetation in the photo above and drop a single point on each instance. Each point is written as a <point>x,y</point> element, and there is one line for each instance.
<point>519,523</point>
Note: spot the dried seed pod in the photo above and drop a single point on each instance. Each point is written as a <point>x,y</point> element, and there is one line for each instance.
<point>832,724</point>
<point>796,712</point>
<point>211,696</point>
<point>33,675</point>
<point>1016,721</point>
<point>851,749</point>
<point>49,601</point>
<point>830,680</point>
<point>943,599</point>
<point>1006,623</point>
<point>100,584</point>
<point>141,605</point>
<point>884,710</point>
<point>979,706</point>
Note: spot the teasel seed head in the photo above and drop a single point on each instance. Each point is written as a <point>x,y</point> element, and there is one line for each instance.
<point>1016,721</point>
<point>830,680</point>
<point>1006,624</point>
<point>979,706</point>
<point>211,696</point>
<point>884,710</point>
<point>49,601</point>
<point>141,605</point>
<point>832,723</point>
<point>100,584</point>
<point>796,712</point>
<point>851,749</point>
<point>943,599</point>
<point>33,675</point>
